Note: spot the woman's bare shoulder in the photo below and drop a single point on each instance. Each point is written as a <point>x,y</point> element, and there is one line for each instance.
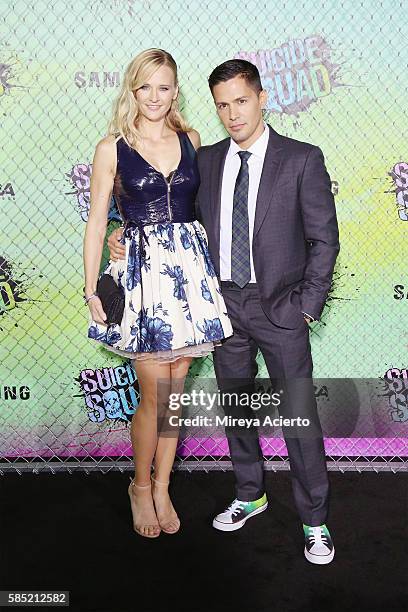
<point>105,152</point>
<point>107,143</point>
<point>195,138</point>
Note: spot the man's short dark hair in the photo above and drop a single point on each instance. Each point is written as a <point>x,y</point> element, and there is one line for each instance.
<point>236,67</point>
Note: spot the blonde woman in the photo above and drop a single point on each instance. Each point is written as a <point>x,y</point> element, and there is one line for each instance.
<point>173,309</point>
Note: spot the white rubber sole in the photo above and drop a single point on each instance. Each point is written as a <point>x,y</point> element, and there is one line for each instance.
<point>319,559</point>
<point>234,526</point>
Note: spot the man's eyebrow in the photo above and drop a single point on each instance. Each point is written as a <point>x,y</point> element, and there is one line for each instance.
<point>235,100</point>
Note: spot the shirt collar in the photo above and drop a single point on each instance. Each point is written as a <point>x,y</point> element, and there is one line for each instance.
<point>258,148</point>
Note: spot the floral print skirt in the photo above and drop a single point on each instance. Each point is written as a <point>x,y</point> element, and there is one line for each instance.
<point>173,303</point>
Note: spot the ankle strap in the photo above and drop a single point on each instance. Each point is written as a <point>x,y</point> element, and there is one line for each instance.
<point>132,482</point>
<point>159,482</point>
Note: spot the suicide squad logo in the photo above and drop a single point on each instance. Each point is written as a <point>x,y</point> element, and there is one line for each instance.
<point>110,393</point>
<point>295,74</point>
<point>400,292</point>
<point>79,179</point>
<point>396,390</point>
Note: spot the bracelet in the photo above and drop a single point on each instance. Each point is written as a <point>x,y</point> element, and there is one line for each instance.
<point>86,299</point>
<point>90,298</point>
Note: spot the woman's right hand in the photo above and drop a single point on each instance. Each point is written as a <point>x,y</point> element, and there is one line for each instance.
<point>117,250</point>
<point>97,312</point>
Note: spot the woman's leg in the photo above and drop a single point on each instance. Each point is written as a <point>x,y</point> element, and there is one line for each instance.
<point>151,377</point>
<point>165,452</point>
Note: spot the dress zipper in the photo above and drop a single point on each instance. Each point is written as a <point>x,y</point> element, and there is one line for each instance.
<point>168,196</point>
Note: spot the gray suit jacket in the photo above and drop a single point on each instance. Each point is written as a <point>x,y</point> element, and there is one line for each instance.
<point>295,239</point>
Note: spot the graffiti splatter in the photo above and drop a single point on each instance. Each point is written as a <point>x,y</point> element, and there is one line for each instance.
<point>399,176</point>
<point>11,290</point>
<point>335,296</point>
<point>7,73</point>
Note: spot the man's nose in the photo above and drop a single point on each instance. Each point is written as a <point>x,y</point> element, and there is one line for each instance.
<point>233,112</point>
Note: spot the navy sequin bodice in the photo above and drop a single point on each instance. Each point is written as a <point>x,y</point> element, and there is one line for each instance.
<point>143,194</point>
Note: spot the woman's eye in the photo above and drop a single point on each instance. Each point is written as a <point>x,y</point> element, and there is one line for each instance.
<point>242,101</point>
<point>164,88</point>
<point>144,87</point>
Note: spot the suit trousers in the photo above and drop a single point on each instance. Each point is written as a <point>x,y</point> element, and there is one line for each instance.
<point>288,359</point>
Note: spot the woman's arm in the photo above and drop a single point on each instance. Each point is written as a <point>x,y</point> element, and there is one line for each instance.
<point>103,173</point>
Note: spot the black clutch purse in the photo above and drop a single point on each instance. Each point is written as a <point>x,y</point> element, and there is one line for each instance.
<point>112,298</point>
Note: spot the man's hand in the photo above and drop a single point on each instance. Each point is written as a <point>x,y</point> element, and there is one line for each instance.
<point>117,250</point>
<point>307,317</point>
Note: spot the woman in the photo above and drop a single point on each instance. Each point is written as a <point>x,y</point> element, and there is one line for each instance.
<point>174,310</point>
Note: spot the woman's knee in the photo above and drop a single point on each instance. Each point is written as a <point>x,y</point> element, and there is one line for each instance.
<point>180,367</point>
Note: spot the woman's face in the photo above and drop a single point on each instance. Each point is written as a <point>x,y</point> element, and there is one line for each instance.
<point>156,94</point>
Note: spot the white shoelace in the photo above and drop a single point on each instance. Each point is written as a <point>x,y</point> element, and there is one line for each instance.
<point>235,507</point>
<point>317,535</point>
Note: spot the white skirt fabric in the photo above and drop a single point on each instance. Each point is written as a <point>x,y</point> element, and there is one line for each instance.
<point>173,303</point>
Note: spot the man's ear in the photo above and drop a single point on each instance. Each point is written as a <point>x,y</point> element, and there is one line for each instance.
<point>263,98</point>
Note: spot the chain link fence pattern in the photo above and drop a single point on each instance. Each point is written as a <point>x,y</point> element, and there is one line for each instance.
<point>333,75</point>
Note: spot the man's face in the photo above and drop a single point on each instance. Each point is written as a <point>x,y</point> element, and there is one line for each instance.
<point>239,107</point>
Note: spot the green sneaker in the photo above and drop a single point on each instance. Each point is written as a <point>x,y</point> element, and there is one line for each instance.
<point>318,544</point>
<point>237,513</point>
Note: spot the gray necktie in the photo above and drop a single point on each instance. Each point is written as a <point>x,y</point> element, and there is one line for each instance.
<point>240,262</point>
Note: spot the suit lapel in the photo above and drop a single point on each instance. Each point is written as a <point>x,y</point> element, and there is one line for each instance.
<point>270,170</point>
<point>217,169</point>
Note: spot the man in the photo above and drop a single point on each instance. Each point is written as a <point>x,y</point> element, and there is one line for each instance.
<point>266,204</point>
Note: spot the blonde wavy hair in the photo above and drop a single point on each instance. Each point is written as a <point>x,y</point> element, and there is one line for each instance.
<point>126,108</point>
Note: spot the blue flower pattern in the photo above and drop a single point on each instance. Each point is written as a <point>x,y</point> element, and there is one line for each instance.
<point>176,273</point>
<point>150,334</point>
<point>166,323</point>
<point>137,261</point>
<point>209,267</point>
<point>187,239</point>
<point>211,328</point>
<point>205,291</point>
<point>164,233</point>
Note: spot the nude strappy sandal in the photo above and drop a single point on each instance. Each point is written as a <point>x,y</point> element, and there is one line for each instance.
<point>177,518</point>
<point>144,535</point>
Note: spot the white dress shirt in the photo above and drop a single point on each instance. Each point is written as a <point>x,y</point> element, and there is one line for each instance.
<point>231,169</point>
